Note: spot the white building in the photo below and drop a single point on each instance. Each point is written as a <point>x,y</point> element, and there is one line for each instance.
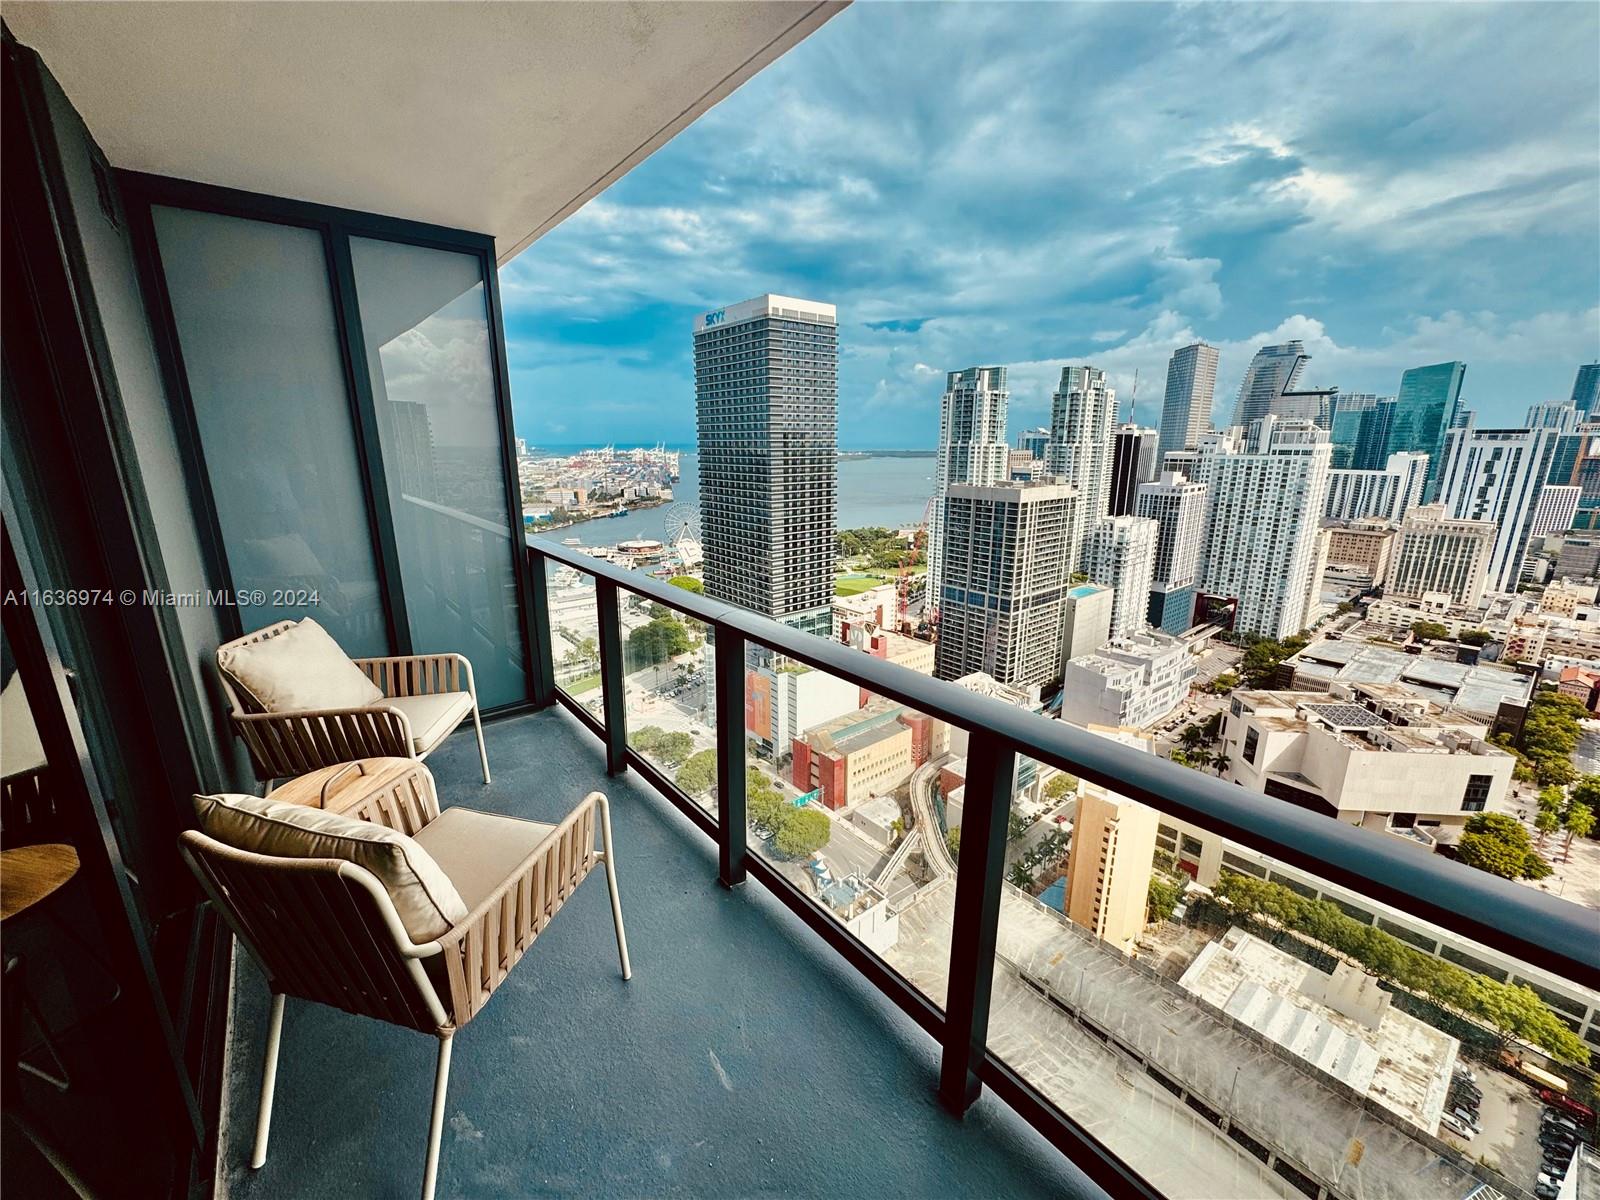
<point>1369,755</point>
<point>1177,505</point>
<point>1082,416</point>
<point>1386,495</point>
<point>1435,553</point>
<point>972,449</point>
<point>1262,541</point>
<point>1007,563</point>
<point>1186,408</point>
<point>1131,682</point>
<point>1496,475</point>
<point>1086,620</point>
<point>1120,553</point>
<point>1558,504</point>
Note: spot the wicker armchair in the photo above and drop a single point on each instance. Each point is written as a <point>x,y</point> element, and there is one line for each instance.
<point>325,930</point>
<point>285,744</point>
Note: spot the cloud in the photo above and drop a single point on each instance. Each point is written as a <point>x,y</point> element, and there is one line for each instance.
<point>1021,184</point>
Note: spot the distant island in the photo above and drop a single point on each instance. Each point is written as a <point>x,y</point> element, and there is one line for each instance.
<point>888,454</point>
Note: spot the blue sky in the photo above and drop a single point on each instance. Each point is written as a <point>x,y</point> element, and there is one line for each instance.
<point>1035,185</point>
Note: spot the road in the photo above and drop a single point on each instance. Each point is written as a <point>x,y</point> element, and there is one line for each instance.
<point>934,849</point>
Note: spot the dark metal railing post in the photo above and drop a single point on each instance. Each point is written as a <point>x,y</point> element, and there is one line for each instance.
<point>991,767</point>
<point>613,697</point>
<point>544,667</point>
<point>730,756</point>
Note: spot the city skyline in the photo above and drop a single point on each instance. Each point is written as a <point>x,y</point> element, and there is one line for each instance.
<point>1386,220</point>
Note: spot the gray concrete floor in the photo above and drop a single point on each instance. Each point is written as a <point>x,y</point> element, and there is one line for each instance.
<point>744,1058</point>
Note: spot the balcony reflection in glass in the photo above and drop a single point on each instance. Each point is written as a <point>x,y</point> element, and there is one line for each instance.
<point>574,634</point>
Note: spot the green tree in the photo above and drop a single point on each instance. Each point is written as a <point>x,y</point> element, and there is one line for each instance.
<point>1192,737</point>
<point>803,832</point>
<point>674,747</point>
<point>1060,786</point>
<point>688,583</point>
<point>1547,822</point>
<point>952,841</point>
<point>1223,684</point>
<point>1579,822</point>
<point>1429,631</point>
<point>1259,666</point>
<point>661,638</point>
<point>1016,825</point>
<point>1552,798</point>
<point>1164,895</point>
<point>1587,791</point>
<point>1475,637</point>
<point>1018,876</point>
<point>1549,735</point>
<point>1496,843</point>
<point>699,774</point>
<point>646,739</point>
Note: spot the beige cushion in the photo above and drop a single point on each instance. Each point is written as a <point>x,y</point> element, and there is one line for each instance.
<point>21,750</point>
<point>479,850</point>
<point>432,717</point>
<point>425,899</point>
<point>301,668</point>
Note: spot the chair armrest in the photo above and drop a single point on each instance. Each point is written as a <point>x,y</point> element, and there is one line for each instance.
<point>480,950</point>
<point>420,674</point>
<point>282,744</point>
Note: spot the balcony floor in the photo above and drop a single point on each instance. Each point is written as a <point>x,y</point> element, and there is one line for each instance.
<point>744,1058</point>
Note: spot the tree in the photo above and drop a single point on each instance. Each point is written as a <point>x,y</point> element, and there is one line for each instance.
<point>1495,843</point>
<point>1547,822</point>
<point>1223,684</point>
<point>661,638</point>
<point>1018,876</point>
<point>1016,825</point>
<point>1549,735</point>
<point>1587,791</point>
<point>1163,898</point>
<point>647,738</point>
<point>1192,737</point>
<point>1429,631</point>
<point>1552,798</point>
<point>1061,786</point>
<point>1580,822</point>
<point>952,841</point>
<point>802,832</point>
<point>674,747</point>
<point>699,774</point>
<point>688,583</point>
<point>1259,666</point>
<point>1475,637</point>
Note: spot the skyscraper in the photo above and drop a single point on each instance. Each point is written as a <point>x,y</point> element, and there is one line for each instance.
<point>1422,414</point>
<point>1385,495</point>
<point>1082,415</point>
<point>1034,441</point>
<point>1108,866</point>
<point>1120,553</point>
<point>1272,372</point>
<point>766,404</point>
<point>1433,553</point>
<point>972,447</point>
<point>1186,409</point>
<point>1261,543</point>
<point>1007,563</point>
<point>1133,461</point>
<point>1586,390</point>
<point>1352,413</point>
<point>1497,475</point>
<point>1177,505</point>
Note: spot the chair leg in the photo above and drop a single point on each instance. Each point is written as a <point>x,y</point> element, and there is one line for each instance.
<point>441,1083</point>
<point>62,1081</point>
<point>271,783</point>
<point>269,1081</point>
<point>611,884</point>
<point>483,755</point>
<point>47,1148</point>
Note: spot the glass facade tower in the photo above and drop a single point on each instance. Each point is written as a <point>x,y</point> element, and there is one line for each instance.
<point>1422,415</point>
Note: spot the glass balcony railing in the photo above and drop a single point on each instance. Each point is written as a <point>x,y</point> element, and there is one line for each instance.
<point>1193,990</point>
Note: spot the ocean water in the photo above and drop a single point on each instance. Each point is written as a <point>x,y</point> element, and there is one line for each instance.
<point>891,492</point>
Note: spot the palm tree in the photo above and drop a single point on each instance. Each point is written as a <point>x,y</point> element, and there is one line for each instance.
<point>1219,760</point>
<point>1546,823</point>
<point>1580,820</point>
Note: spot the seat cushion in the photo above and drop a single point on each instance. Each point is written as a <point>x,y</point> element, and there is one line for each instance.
<point>479,850</point>
<point>427,903</point>
<point>301,668</point>
<point>432,717</point>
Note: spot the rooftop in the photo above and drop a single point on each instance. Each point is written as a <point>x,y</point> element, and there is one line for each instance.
<point>1476,688</point>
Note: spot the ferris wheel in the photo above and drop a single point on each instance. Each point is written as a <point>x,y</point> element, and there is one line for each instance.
<point>682,523</point>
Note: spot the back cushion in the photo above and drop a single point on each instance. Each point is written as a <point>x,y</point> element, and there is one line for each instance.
<point>298,669</point>
<point>425,899</point>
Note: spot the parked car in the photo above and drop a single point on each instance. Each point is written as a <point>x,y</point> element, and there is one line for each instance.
<point>1456,1127</point>
<point>1546,1191</point>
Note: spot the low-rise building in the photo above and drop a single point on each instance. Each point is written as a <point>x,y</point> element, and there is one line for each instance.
<point>1130,682</point>
<point>1377,757</point>
<point>782,701</point>
<point>892,647</point>
<point>1582,684</point>
<point>865,753</point>
<point>1361,546</point>
<point>877,606</point>
<point>1480,690</point>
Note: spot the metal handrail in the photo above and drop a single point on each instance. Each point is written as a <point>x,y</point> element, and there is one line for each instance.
<point>1541,929</point>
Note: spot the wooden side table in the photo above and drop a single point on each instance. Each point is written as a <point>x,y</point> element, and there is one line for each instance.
<point>28,874</point>
<point>397,792</point>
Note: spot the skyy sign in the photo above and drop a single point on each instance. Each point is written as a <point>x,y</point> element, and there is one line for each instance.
<point>716,318</point>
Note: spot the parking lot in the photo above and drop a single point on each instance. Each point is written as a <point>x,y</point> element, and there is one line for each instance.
<point>1509,1118</point>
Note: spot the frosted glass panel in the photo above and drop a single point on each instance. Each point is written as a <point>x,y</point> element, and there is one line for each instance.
<point>425,318</point>
<point>260,346</point>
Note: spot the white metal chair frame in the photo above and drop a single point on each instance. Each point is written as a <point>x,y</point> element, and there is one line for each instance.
<point>326,931</point>
<point>286,744</point>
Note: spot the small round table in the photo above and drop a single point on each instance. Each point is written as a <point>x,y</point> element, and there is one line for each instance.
<point>29,874</point>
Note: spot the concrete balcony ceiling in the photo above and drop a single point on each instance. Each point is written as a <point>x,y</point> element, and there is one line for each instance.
<point>501,118</point>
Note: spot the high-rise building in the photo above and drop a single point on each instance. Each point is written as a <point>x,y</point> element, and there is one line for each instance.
<point>1563,418</point>
<point>1186,408</point>
<point>1496,475</point>
<point>1120,553</point>
<point>1133,461</point>
<point>1387,494</point>
<point>1557,506</point>
<point>1086,619</point>
<point>1082,415</point>
<point>1423,411</point>
<point>1034,441</point>
<point>1435,553</point>
<point>1007,563</point>
<point>1262,544</point>
<point>1351,415</point>
<point>1586,390</point>
<point>1373,436</point>
<point>1177,505</point>
<point>1109,864</point>
<point>766,403</point>
<point>972,447</point>
<point>1272,372</point>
